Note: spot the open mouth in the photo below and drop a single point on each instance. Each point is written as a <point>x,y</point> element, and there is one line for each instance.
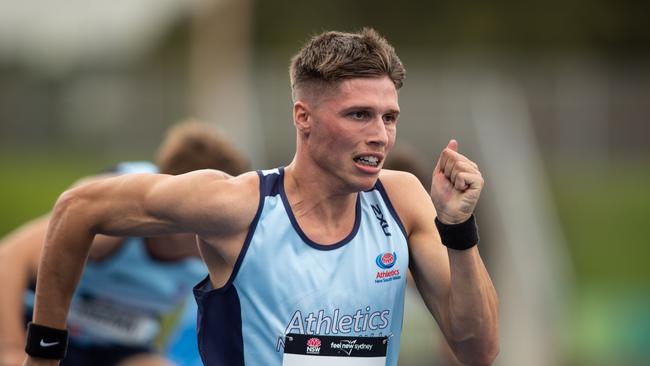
<point>367,160</point>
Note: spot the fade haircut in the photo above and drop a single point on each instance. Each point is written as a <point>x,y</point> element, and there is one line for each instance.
<point>331,57</point>
<point>192,145</point>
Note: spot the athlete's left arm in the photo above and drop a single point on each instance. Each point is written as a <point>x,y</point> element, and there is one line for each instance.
<point>454,284</point>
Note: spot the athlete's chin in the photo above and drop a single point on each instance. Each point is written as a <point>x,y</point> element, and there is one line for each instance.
<point>365,183</point>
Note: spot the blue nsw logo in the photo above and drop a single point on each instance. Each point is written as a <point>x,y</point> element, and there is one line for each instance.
<point>386,260</point>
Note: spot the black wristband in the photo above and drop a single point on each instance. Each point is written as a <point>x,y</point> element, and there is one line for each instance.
<point>46,342</point>
<point>458,236</point>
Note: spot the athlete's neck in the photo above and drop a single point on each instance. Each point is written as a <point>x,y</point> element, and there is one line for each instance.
<point>324,214</point>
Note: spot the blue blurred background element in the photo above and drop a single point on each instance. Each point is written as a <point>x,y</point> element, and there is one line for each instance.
<point>550,98</point>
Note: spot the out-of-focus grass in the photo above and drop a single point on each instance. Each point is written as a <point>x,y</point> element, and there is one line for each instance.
<point>605,214</point>
<point>30,184</point>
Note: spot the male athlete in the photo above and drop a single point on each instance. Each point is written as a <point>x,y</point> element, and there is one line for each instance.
<point>132,285</point>
<point>307,263</point>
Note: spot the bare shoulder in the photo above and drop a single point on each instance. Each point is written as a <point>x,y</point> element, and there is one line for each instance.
<point>398,177</point>
<point>410,199</point>
<point>230,189</point>
<point>404,185</point>
<point>242,185</point>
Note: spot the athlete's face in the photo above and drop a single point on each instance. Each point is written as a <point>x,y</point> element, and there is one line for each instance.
<point>352,128</point>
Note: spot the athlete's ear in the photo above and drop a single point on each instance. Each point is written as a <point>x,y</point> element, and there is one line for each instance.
<point>302,117</point>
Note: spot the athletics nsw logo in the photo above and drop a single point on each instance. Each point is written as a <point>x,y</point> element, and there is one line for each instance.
<point>313,346</point>
<point>386,261</point>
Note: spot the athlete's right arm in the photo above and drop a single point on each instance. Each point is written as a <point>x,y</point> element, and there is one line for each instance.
<point>204,202</point>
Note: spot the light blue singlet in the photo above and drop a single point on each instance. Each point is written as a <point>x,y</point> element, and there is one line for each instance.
<point>283,283</point>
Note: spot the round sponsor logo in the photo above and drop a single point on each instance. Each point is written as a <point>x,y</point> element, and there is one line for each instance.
<point>386,260</point>
<point>313,342</point>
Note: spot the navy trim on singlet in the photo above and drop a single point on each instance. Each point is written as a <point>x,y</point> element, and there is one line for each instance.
<point>270,183</point>
<point>247,241</point>
<point>389,204</point>
<point>226,300</point>
<point>303,236</point>
<point>224,314</point>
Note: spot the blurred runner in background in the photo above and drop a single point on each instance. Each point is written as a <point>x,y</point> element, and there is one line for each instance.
<point>134,295</point>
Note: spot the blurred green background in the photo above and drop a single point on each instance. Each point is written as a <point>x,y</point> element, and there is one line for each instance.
<point>86,86</point>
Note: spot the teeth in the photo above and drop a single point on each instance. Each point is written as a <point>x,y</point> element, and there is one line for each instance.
<point>368,160</point>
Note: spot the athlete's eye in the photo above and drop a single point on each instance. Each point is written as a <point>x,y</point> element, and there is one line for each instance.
<point>359,115</point>
<point>389,118</point>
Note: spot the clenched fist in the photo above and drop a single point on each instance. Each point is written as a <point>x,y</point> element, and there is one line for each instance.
<point>456,185</point>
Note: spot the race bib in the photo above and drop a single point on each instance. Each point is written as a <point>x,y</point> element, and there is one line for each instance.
<point>102,321</point>
<point>317,350</point>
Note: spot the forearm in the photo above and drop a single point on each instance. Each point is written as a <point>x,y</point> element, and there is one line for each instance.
<point>114,206</point>
<point>473,309</point>
<point>65,250</point>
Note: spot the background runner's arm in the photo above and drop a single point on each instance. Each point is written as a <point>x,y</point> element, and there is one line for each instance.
<point>19,255</point>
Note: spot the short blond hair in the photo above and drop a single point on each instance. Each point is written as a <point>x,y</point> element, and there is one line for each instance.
<point>192,145</point>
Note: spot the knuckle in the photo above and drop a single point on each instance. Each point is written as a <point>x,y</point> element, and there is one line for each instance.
<point>449,153</point>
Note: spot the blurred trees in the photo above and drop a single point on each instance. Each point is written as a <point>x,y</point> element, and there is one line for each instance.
<point>606,26</point>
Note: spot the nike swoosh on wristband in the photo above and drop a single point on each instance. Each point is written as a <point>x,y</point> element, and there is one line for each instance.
<point>48,344</point>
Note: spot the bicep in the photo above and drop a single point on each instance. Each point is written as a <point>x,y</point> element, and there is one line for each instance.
<point>205,202</point>
<point>118,206</point>
<point>202,202</point>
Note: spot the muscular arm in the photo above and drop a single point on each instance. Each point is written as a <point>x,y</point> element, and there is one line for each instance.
<point>458,290</point>
<point>202,202</point>
<point>19,254</point>
<point>454,284</point>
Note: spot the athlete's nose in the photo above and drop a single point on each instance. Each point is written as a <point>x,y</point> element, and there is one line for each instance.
<point>377,135</point>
